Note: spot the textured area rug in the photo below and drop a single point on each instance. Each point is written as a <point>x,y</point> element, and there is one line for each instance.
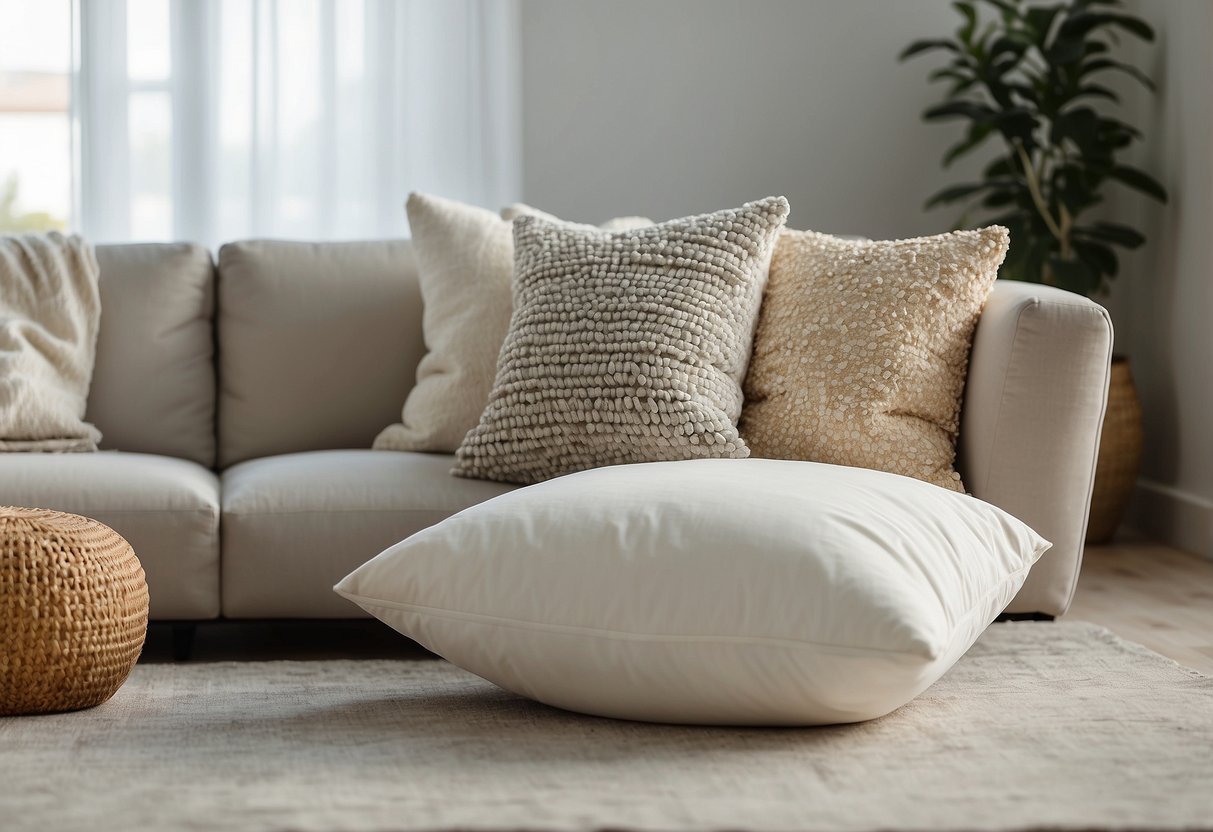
<point>1039,726</point>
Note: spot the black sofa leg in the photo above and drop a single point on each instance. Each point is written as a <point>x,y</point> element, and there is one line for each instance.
<point>1024,616</point>
<point>183,640</point>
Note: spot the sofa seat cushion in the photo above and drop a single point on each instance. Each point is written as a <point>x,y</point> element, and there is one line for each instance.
<point>293,525</point>
<point>166,508</point>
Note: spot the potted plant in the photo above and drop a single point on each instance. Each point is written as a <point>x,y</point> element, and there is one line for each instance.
<point>1028,76</point>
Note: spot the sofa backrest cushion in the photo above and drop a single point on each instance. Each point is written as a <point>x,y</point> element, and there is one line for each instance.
<point>153,387</point>
<point>318,344</point>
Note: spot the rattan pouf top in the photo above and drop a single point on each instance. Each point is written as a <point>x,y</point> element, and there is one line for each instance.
<point>73,611</point>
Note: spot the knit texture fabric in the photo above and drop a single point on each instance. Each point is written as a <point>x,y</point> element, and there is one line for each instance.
<point>624,347</point>
<point>50,314</point>
<point>862,349</point>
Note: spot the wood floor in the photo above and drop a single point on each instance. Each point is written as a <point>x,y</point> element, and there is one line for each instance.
<point>1150,594</point>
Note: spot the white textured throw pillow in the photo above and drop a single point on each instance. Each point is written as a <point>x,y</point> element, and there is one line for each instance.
<point>624,347</point>
<point>50,314</point>
<point>465,260</point>
<point>747,592</point>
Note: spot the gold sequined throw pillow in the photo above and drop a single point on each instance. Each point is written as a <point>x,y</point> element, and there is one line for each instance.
<point>624,346</point>
<point>862,348</point>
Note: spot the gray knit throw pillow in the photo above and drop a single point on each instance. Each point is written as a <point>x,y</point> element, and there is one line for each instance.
<point>624,347</point>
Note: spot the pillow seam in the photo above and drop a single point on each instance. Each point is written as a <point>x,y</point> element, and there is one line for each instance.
<point>619,635</point>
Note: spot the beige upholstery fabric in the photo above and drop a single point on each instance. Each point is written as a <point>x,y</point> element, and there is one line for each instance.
<point>318,344</point>
<point>153,387</point>
<point>167,509</point>
<point>626,346</point>
<point>49,311</point>
<point>465,258</point>
<point>1030,427</point>
<point>294,525</point>
<point>862,349</point>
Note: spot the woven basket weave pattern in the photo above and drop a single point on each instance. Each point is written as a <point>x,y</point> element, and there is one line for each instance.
<point>1119,457</point>
<point>73,611</point>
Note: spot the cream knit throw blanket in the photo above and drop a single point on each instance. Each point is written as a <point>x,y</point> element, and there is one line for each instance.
<point>50,310</point>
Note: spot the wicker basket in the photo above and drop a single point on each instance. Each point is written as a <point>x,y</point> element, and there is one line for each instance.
<point>73,611</point>
<point>1119,455</point>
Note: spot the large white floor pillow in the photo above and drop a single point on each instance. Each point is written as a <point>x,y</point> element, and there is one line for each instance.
<point>743,592</point>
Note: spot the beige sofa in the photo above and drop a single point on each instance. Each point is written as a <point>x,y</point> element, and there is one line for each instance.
<point>238,405</point>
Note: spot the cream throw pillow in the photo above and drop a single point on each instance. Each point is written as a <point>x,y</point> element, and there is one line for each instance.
<point>465,259</point>
<point>740,592</point>
<point>50,314</point>
<point>862,349</point>
<point>624,347</point>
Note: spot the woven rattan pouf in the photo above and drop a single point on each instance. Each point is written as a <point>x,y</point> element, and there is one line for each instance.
<point>73,611</point>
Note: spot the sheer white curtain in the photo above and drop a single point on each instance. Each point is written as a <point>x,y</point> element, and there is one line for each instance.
<point>212,120</point>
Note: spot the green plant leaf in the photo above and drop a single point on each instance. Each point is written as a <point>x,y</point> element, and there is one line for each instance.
<point>1082,23</point>
<point>1005,166</point>
<point>965,33</point>
<point>1009,9</point>
<point>920,46</point>
<point>1040,21</point>
<point>1065,50</point>
<point>1025,91</point>
<point>955,193</point>
<point>1001,68</point>
<point>1027,255</point>
<point>1074,275</point>
<point>952,73</point>
<point>960,109</point>
<point>1095,91</point>
<point>1103,64</point>
<point>1111,232</point>
<point>1003,198</point>
<point>1017,123</point>
<point>1110,125</point>
<point>1030,77</point>
<point>978,133</point>
<point>1101,257</point>
<point>1139,181</point>
<point>1079,125</point>
<point>1012,44</point>
<point>1074,186</point>
<point>1095,47</point>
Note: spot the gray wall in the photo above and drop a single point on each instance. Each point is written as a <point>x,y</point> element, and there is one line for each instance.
<point>670,107</point>
<point>1163,301</point>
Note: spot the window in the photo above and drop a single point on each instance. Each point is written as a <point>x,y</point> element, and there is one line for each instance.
<point>212,121</point>
<point>35,123</point>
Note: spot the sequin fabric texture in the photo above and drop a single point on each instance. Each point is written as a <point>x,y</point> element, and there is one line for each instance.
<point>862,349</point>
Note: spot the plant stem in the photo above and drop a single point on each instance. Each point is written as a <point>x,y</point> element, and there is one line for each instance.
<point>1066,222</point>
<point>1033,177</point>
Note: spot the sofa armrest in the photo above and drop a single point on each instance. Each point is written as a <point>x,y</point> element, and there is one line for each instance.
<point>1029,432</point>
